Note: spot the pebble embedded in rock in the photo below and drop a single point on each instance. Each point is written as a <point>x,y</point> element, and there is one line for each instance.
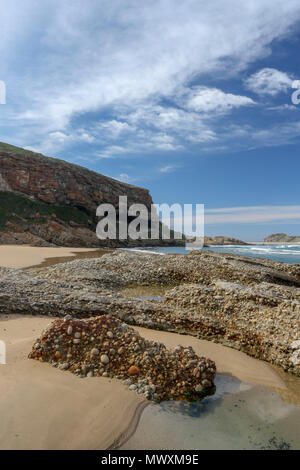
<point>133,387</point>
<point>95,352</point>
<point>133,370</point>
<point>104,359</point>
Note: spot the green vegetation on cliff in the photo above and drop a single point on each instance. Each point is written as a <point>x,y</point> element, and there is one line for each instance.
<point>17,150</point>
<point>19,209</point>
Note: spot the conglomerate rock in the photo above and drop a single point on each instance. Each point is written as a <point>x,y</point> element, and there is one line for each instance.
<point>104,346</point>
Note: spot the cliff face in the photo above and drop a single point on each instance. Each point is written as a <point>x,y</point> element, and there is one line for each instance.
<point>57,182</point>
<point>53,200</point>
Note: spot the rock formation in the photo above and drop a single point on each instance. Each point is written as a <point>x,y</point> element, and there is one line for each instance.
<point>281,238</point>
<point>221,240</point>
<point>104,346</point>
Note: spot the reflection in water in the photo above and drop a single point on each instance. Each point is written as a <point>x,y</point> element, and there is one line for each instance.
<point>237,416</point>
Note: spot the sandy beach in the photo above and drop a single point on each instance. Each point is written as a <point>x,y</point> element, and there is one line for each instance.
<point>22,256</point>
<point>45,408</point>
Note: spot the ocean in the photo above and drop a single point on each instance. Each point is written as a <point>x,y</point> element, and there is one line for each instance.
<point>284,253</point>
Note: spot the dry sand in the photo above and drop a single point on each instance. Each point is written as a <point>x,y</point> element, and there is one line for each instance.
<point>22,256</point>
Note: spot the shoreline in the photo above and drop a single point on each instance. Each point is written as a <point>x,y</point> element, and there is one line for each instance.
<point>29,257</point>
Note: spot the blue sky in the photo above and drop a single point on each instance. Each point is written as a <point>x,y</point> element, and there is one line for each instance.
<point>189,99</point>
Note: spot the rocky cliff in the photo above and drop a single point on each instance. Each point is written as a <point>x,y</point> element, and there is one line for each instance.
<point>45,200</point>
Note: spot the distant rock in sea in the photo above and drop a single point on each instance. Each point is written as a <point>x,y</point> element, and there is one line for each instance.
<point>221,240</point>
<point>281,238</point>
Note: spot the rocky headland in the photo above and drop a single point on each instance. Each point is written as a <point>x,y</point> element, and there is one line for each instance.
<point>49,202</point>
<point>282,238</point>
<point>222,240</point>
<point>252,305</point>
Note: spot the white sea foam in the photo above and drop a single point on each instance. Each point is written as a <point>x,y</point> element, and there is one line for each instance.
<point>142,251</point>
<point>280,252</point>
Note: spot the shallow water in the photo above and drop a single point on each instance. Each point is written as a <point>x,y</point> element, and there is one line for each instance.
<point>238,416</point>
<point>145,292</point>
<point>284,253</point>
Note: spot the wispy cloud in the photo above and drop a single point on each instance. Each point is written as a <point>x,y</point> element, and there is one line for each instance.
<point>123,68</point>
<point>124,177</point>
<point>168,168</point>
<point>212,100</point>
<point>252,214</point>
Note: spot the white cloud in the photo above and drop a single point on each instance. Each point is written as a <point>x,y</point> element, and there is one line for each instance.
<point>124,177</point>
<point>268,81</point>
<point>252,214</point>
<point>112,151</point>
<point>212,100</point>
<point>283,107</point>
<point>126,59</point>
<point>168,168</point>
<point>176,123</point>
<point>260,215</point>
<point>53,141</point>
<point>113,127</point>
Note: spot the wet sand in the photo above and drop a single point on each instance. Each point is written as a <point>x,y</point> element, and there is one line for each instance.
<point>42,407</point>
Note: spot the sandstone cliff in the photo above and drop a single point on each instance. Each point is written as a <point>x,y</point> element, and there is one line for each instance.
<point>45,200</point>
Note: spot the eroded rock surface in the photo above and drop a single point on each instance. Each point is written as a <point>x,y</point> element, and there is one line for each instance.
<point>249,304</point>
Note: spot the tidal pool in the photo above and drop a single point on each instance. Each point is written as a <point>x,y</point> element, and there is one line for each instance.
<point>238,416</point>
